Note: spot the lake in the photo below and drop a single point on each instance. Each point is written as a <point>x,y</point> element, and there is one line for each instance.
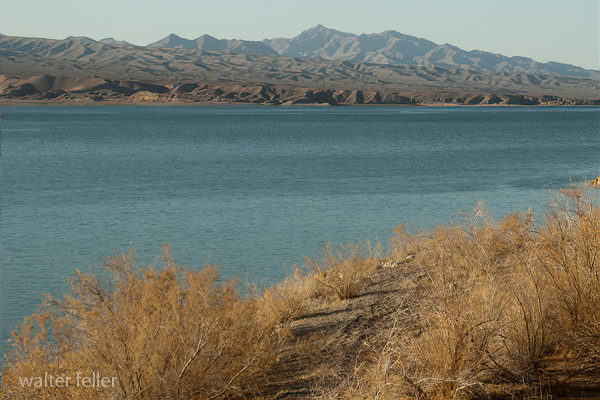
<point>254,188</point>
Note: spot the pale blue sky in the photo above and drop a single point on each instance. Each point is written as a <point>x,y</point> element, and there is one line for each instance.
<point>545,30</point>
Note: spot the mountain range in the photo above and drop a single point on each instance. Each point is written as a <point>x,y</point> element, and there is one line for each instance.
<point>318,66</point>
<point>389,47</point>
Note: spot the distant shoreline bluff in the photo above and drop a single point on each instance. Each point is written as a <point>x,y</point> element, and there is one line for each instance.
<point>48,89</point>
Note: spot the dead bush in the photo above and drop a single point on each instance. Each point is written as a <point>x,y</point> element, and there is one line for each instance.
<point>570,256</point>
<point>342,274</point>
<point>285,301</point>
<point>163,333</point>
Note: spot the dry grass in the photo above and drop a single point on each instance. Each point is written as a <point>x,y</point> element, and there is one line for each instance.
<point>500,309</point>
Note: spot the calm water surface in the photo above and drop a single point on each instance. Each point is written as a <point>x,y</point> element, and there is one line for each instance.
<point>255,188</point>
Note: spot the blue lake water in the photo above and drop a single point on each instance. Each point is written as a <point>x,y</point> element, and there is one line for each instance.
<point>256,189</point>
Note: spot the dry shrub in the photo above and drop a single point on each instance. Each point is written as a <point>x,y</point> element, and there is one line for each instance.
<point>167,333</point>
<point>404,245</point>
<point>342,274</point>
<point>570,256</point>
<point>511,306</point>
<point>459,325</point>
<point>457,253</point>
<point>496,301</point>
<point>285,301</point>
<point>375,376</point>
<point>529,336</point>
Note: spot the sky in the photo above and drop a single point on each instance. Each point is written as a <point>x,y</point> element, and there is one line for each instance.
<point>564,31</point>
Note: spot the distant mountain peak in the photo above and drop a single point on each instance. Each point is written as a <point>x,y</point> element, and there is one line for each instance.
<point>317,28</point>
<point>206,35</point>
<point>320,29</point>
<point>175,38</point>
<point>174,41</point>
<point>110,40</point>
<point>80,39</point>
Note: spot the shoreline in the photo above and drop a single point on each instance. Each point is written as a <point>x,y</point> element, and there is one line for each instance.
<point>14,102</point>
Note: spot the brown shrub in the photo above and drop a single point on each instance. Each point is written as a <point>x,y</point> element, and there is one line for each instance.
<point>570,257</point>
<point>499,303</point>
<point>286,301</point>
<point>342,274</point>
<point>167,333</point>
